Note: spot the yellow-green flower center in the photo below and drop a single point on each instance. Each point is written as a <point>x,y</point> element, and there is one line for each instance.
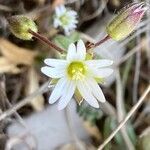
<point>65,19</point>
<point>77,70</point>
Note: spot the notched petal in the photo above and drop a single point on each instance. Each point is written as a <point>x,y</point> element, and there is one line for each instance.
<point>81,50</point>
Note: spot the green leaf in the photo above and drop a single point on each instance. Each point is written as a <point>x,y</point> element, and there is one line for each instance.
<point>75,36</point>
<point>89,113</point>
<point>131,133</point>
<point>64,41</point>
<point>109,125</point>
<point>106,132</point>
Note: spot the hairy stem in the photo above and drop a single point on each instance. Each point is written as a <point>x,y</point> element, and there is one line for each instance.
<point>92,45</point>
<point>46,40</point>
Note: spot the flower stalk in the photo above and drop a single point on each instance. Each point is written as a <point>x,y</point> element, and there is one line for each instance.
<point>46,40</point>
<point>92,45</point>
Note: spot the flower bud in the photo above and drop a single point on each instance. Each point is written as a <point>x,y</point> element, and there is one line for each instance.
<point>20,25</point>
<point>126,21</point>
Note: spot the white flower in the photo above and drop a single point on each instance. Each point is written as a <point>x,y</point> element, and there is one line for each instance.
<point>65,19</point>
<point>77,73</point>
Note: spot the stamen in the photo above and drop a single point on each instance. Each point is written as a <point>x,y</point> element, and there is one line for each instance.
<point>76,70</point>
<point>65,19</point>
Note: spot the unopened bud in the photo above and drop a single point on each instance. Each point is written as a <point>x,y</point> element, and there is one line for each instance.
<point>126,21</point>
<point>20,25</point>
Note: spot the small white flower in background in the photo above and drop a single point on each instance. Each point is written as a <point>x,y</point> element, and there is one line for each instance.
<point>65,18</point>
<point>77,73</point>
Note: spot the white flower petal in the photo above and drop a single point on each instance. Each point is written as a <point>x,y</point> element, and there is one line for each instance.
<point>96,90</point>
<point>58,11</point>
<point>72,26</point>
<point>53,72</point>
<point>86,94</point>
<point>74,22</point>
<point>68,92</point>
<point>58,90</point>
<point>55,62</point>
<point>81,50</point>
<point>101,73</point>
<point>62,9</point>
<point>67,30</point>
<point>99,63</point>
<point>72,13</point>
<point>56,22</point>
<point>71,52</point>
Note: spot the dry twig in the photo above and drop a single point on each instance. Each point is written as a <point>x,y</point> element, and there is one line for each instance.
<point>121,109</point>
<point>76,140</point>
<point>122,123</point>
<point>25,101</point>
<point>137,72</point>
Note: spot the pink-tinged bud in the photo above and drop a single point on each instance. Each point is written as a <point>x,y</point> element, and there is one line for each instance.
<point>126,21</point>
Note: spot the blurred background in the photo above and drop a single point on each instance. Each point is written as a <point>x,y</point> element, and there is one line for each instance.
<point>28,122</point>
